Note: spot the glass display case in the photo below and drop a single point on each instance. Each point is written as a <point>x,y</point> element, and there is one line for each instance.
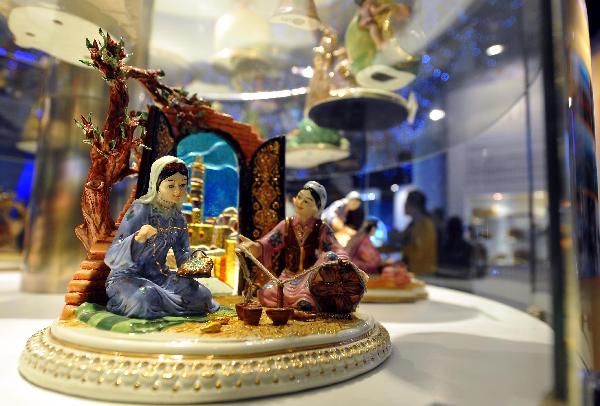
<point>476,149</point>
<point>483,178</point>
<point>503,155</point>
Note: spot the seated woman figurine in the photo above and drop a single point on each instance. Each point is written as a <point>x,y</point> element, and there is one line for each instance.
<point>365,255</point>
<point>338,213</point>
<point>362,252</point>
<point>140,283</point>
<point>306,241</point>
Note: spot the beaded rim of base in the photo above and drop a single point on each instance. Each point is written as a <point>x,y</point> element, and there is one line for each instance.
<point>122,377</point>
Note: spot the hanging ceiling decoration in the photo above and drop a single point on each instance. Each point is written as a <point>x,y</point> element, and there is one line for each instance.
<point>362,109</point>
<point>241,50</point>
<point>57,28</point>
<point>297,13</point>
<point>336,100</point>
<point>383,47</point>
<point>310,145</point>
<point>31,26</point>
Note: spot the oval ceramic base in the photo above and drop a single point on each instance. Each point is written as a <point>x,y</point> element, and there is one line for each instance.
<point>169,369</point>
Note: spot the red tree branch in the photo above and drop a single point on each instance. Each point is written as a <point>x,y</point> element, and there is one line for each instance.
<point>111,147</point>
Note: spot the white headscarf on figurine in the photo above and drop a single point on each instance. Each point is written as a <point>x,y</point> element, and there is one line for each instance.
<point>155,170</point>
<point>320,191</point>
<point>354,195</point>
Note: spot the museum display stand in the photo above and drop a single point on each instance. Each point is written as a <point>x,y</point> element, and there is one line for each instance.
<point>454,348</point>
<point>180,368</point>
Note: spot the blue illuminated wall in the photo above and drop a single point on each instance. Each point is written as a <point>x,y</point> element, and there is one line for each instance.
<point>17,176</point>
<point>221,174</point>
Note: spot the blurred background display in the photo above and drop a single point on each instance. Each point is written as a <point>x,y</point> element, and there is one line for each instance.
<point>432,112</point>
<point>461,79</point>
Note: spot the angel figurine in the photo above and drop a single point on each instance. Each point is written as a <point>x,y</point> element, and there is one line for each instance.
<point>140,283</point>
<point>374,15</point>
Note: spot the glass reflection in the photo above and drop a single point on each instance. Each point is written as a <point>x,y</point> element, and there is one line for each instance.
<point>475,151</point>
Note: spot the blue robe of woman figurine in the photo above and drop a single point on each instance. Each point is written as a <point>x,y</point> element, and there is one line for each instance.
<point>140,283</point>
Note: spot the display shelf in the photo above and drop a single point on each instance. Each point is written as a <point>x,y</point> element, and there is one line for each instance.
<point>454,348</point>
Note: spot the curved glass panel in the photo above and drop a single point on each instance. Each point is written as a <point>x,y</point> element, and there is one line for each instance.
<point>475,152</point>
<point>478,58</point>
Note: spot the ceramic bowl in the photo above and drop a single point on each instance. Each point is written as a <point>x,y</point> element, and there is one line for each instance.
<point>252,315</point>
<point>280,315</point>
<point>239,309</point>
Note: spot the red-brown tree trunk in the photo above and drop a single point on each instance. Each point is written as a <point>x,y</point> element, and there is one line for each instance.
<point>105,170</point>
<point>110,152</point>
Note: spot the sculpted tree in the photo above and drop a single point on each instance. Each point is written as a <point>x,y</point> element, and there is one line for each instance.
<point>111,146</point>
<point>110,158</point>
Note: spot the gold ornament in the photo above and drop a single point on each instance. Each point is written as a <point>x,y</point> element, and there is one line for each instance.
<point>197,267</point>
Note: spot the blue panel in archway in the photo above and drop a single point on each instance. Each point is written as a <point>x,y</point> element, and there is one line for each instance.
<point>221,180</point>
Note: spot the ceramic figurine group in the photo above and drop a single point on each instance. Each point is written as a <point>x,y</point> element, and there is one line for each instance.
<point>141,285</point>
<point>133,328</point>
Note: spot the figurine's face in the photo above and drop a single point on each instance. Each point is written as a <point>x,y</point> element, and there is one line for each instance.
<point>305,204</point>
<point>173,189</point>
<point>353,204</point>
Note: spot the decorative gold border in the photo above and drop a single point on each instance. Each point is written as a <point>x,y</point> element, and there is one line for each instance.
<point>49,338</point>
<point>179,379</point>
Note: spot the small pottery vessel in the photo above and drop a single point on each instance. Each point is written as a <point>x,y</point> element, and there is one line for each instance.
<point>239,309</point>
<point>279,315</point>
<point>252,315</point>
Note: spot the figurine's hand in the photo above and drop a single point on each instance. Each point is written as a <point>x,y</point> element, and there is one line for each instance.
<point>331,256</point>
<point>338,224</point>
<point>350,231</point>
<point>253,247</point>
<point>145,232</point>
